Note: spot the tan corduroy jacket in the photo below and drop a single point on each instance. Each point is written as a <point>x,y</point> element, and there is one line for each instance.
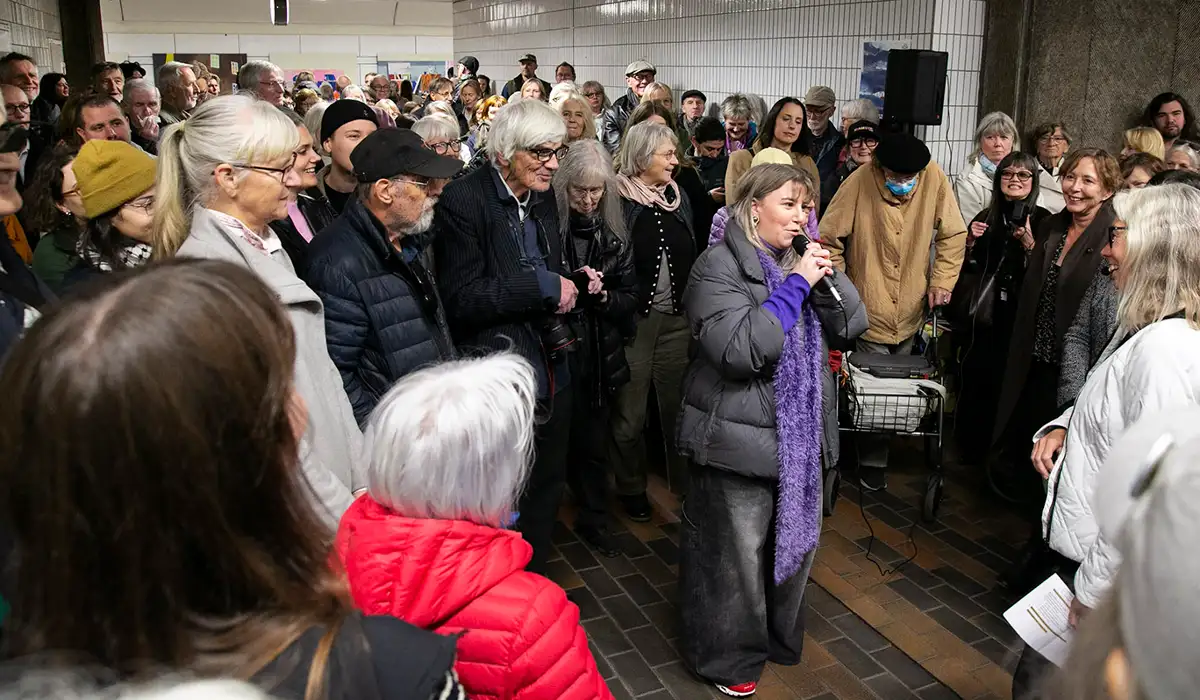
<point>890,259</point>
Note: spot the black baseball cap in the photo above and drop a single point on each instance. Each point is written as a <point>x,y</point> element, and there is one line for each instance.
<point>862,129</point>
<point>389,152</point>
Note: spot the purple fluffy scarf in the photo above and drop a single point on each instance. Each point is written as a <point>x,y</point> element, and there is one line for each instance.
<point>798,420</point>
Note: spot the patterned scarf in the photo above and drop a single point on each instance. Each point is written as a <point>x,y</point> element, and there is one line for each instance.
<point>635,190</point>
<point>798,421</point>
<point>130,254</point>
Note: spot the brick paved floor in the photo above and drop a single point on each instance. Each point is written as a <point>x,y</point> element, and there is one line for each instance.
<point>932,630</point>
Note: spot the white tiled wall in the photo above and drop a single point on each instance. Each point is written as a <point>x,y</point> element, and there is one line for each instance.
<point>769,47</point>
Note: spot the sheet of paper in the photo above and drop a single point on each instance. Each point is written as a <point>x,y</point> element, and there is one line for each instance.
<point>1041,619</point>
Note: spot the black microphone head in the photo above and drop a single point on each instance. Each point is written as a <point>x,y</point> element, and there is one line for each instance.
<point>1020,211</point>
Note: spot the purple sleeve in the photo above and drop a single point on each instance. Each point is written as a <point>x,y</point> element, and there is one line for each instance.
<point>786,301</point>
<point>814,231</point>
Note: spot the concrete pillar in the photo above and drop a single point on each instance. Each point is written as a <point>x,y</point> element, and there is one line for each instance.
<point>83,38</point>
<point>1003,78</point>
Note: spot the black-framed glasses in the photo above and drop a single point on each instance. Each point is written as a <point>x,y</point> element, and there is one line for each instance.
<point>1114,232</point>
<point>1018,175</point>
<point>590,95</point>
<point>545,154</point>
<point>443,147</point>
<point>868,142</point>
<point>281,172</point>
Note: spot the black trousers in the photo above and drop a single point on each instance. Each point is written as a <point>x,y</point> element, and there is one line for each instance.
<point>587,460</point>
<point>538,506</point>
<point>735,617</point>
<point>1032,668</point>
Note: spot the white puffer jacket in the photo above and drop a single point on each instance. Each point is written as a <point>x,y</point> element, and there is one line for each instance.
<point>1157,369</point>
<point>973,189</point>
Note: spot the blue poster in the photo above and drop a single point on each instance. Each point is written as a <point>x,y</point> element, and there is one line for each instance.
<point>874,69</point>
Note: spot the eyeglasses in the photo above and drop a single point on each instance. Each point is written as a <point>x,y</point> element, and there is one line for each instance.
<point>419,183</point>
<point>1018,175</point>
<point>17,107</point>
<point>281,172</point>
<point>869,143</point>
<point>443,147</point>
<point>1114,232</point>
<point>545,154</point>
<point>146,204</point>
<point>1052,139</point>
<point>590,95</point>
<point>273,83</point>
<point>667,154</point>
<point>643,77</point>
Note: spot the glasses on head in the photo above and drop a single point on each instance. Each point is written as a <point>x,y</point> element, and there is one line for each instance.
<point>281,172</point>
<point>146,204</point>
<point>443,147</point>
<point>545,154</point>
<point>1052,138</point>
<point>1018,175</point>
<point>1115,232</point>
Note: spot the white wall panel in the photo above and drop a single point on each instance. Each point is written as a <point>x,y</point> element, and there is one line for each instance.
<point>206,43</point>
<point>328,43</point>
<point>268,44</point>
<point>140,43</point>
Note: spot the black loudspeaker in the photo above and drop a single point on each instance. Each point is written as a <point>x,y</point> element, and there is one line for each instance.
<point>279,12</point>
<point>915,92</point>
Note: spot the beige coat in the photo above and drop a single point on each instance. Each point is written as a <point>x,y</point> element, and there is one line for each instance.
<point>889,260</point>
<point>740,161</point>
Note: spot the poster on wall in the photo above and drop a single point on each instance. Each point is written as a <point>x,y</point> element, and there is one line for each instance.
<point>874,69</point>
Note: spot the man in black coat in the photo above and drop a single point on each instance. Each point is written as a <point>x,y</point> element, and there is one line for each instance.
<point>501,274</point>
<point>638,76</point>
<point>383,317</point>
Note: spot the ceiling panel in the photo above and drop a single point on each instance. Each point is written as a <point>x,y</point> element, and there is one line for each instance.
<point>385,13</point>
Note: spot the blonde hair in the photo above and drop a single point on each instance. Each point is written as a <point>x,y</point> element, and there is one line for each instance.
<point>654,88</point>
<point>1162,256</point>
<point>231,129</point>
<point>759,182</point>
<point>1144,139</point>
<point>589,123</point>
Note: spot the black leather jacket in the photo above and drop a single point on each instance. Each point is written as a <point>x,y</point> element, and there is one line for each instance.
<point>615,118</point>
<point>317,212</point>
<point>602,329</point>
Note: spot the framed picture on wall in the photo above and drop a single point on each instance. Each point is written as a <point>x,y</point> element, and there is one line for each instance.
<point>224,65</point>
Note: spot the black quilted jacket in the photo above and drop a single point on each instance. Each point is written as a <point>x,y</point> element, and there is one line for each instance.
<point>383,315</point>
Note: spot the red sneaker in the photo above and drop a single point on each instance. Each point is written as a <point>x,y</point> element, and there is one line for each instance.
<point>741,690</point>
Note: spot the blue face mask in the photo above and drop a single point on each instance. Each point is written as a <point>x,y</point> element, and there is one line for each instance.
<point>902,187</point>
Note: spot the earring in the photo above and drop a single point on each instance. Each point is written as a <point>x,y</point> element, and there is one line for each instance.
<point>754,220</point>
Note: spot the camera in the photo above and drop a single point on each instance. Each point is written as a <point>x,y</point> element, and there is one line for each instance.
<point>557,337</point>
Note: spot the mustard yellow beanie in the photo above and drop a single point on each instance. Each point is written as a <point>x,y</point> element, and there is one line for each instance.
<point>111,173</point>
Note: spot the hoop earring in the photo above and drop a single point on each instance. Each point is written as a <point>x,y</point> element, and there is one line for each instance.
<point>754,220</point>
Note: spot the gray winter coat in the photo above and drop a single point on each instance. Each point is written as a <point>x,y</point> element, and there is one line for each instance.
<point>331,448</point>
<point>1085,340</point>
<point>728,415</point>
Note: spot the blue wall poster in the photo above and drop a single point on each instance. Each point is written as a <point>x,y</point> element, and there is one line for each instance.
<point>874,69</point>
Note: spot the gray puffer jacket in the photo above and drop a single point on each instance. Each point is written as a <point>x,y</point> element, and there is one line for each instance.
<point>1085,340</point>
<point>728,415</point>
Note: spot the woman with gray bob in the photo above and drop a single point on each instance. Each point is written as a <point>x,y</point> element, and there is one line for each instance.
<point>224,175</point>
<point>592,227</point>
<point>758,425</point>
<point>658,216</point>
<point>1140,643</point>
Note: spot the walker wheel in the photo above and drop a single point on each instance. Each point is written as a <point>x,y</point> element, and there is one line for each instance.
<point>932,501</point>
<point>833,480</point>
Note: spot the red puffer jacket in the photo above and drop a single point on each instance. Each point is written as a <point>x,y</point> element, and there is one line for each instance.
<point>522,639</point>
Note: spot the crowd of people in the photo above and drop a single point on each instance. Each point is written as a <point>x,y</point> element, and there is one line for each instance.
<point>377,339</point>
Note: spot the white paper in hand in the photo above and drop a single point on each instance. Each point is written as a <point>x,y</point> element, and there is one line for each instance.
<point>1041,619</point>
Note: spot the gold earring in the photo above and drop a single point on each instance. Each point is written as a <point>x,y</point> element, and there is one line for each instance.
<point>754,220</point>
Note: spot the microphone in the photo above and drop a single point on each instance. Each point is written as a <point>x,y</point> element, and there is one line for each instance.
<point>799,244</point>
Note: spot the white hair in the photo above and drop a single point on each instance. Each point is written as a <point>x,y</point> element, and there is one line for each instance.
<point>230,129</point>
<point>861,109</point>
<point>562,91</point>
<point>252,72</point>
<point>1162,255</point>
<point>1188,150</point>
<point>169,74</point>
<point>441,107</point>
<point>436,126</point>
<point>454,441</point>
<point>312,122</point>
<point>353,92</point>
<point>524,125</point>
<point>992,124</point>
<point>135,85</point>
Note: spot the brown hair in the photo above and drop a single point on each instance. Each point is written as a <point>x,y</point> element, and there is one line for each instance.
<point>152,482</point>
<point>1145,161</point>
<point>1106,166</point>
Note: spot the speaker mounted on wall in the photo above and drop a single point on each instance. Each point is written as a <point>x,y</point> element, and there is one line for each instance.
<point>279,12</point>
<point>915,90</point>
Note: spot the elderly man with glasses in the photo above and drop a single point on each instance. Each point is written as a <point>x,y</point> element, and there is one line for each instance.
<point>501,275</point>
<point>638,76</point>
<point>262,80</point>
<point>383,317</point>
